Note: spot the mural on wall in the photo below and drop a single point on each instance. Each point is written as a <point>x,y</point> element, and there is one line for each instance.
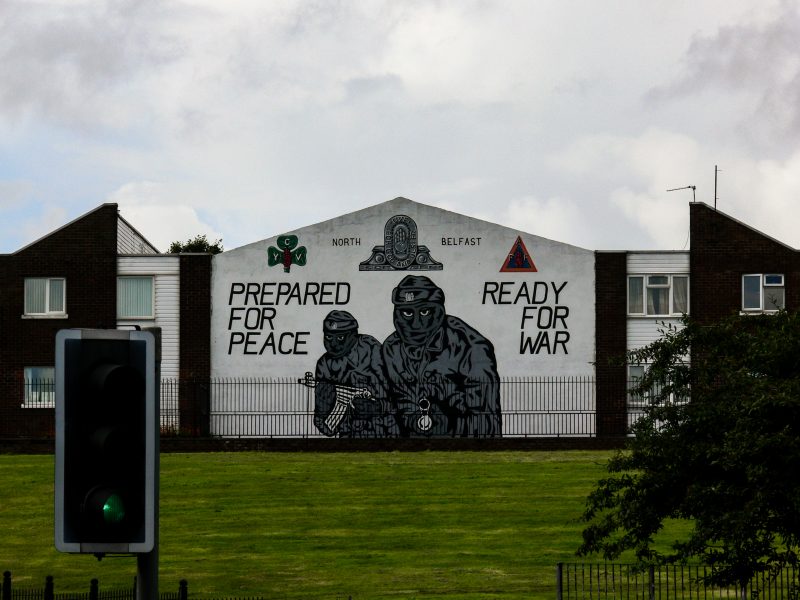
<point>435,375</point>
<point>286,254</point>
<point>400,251</point>
<point>386,355</point>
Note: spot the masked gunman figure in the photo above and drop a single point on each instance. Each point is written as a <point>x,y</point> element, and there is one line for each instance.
<point>442,373</point>
<point>350,391</point>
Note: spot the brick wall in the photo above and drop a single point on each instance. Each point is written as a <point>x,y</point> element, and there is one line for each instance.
<point>195,347</point>
<point>722,250</point>
<point>84,252</point>
<point>610,342</point>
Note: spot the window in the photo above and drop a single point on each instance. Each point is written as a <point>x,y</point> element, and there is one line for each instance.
<point>635,374</point>
<point>40,388</point>
<point>658,295</point>
<point>134,297</point>
<point>639,398</point>
<point>642,398</point>
<point>763,293</point>
<point>45,297</point>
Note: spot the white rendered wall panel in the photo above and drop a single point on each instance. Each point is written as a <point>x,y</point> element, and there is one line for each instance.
<point>165,271</point>
<point>658,262</point>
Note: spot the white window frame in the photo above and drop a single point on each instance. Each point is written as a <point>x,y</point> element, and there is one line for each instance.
<point>41,394</point>
<point>645,277</point>
<point>152,314</point>
<point>763,287</point>
<point>47,314</point>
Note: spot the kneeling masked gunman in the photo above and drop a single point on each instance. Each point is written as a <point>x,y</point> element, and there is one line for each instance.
<point>350,393</point>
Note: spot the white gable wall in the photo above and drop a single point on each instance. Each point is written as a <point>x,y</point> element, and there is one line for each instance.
<point>510,309</point>
<point>267,323</point>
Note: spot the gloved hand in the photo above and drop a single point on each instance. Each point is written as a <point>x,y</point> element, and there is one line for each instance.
<point>364,407</point>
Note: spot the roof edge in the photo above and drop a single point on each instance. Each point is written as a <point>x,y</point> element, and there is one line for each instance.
<point>745,225</point>
<point>65,225</point>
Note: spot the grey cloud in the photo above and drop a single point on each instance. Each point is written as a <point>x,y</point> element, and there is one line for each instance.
<point>57,61</point>
<point>368,87</point>
<point>759,61</point>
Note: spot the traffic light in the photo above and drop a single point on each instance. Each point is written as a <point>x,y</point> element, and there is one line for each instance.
<point>107,430</point>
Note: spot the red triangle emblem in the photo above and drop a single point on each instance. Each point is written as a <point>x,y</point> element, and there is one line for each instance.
<point>519,259</point>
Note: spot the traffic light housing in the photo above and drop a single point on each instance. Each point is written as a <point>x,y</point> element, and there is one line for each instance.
<point>107,429</point>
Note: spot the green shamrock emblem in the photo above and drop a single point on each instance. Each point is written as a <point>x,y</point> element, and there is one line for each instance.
<point>286,254</point>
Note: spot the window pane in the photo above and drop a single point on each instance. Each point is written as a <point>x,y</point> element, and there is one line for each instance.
<point>635,295</point>
<point>657,301</point>
<point>751,292</point>
<point>35,296</point>
<point>135,297</point>
<point>680,295</point>
<point>39,386</point>
<point>774,298</point>
<point>657,280</point>
<point>773,279</point>
<point>56,295</point>
<point>635,372</point>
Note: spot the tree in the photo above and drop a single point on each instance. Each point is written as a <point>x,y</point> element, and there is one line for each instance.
<point>199,243</point>
<point>727,460</point>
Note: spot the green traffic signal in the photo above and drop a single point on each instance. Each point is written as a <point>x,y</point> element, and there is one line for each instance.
<point>113,509</point>
<point>106,441</point>
<point>105,511</point>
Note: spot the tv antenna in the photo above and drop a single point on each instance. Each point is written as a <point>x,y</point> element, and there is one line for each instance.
<point>716,170</point>
<point>688,187</point>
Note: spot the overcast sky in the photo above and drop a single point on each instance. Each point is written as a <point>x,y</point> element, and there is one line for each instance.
<point>243,120</point>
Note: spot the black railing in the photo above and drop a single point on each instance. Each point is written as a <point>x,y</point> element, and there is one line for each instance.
<point>607,581</point>
<point>529,407</point>
<point>41,394</point>
<point>11,592</point>
<point>573,581</point>
<point>285,408</point>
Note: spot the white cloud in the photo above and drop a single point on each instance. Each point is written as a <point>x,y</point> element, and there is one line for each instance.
<point>554,218</point>
<point>633,174</point>
<point>50,218</point>
<point>256,118</point>
<point>14,193</point>
<point>753,63</point>
<point>151,208</point>
<point>764,194</point>
<point>77,63</point>
<point>666,223</point>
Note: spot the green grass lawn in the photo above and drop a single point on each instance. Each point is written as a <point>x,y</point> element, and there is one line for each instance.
<point>319,525</point>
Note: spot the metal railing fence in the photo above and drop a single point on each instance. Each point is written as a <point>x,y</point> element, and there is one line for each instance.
<point>41,393</point>
<point>530,407</point>
<point>95,592</point>
<point>563,406</point>
<point>611,581</point>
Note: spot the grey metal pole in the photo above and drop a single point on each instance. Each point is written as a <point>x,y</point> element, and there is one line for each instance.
<point>147,575</point>
<point>147,563</point>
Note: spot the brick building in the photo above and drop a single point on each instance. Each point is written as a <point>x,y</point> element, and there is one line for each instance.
<point>95,272</point>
